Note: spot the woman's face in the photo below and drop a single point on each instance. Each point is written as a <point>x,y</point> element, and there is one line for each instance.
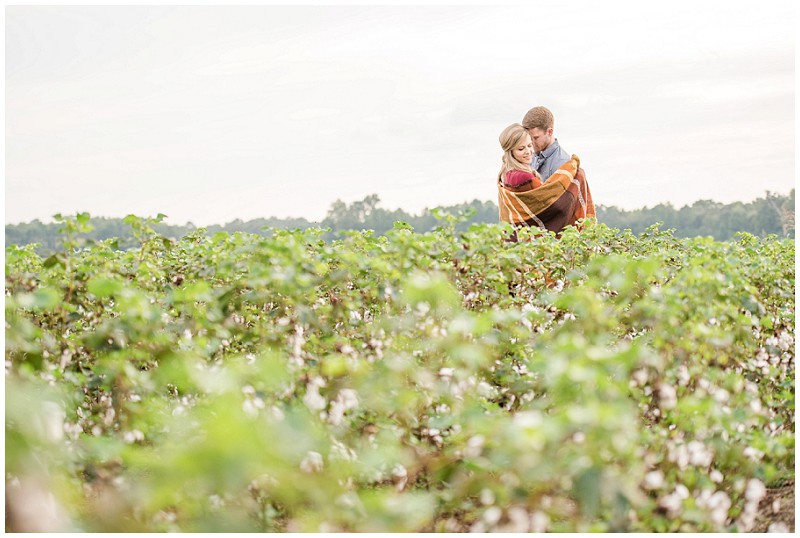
<point>524,150</point>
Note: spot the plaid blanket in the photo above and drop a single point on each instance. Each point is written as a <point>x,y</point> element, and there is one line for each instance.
<point>559,202</point>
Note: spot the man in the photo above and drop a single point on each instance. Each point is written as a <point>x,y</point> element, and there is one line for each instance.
<point>549,154</point>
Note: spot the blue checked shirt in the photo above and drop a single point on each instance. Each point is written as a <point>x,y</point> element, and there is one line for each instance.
<point>548,161</point>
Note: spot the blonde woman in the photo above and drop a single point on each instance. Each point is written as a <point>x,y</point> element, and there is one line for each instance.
<point>516,172</point>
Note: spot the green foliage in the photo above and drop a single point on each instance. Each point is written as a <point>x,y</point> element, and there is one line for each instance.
<point>773,214</point>
<point>398,382</point>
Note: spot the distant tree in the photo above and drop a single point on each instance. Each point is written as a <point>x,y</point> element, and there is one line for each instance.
<point>773,214</point>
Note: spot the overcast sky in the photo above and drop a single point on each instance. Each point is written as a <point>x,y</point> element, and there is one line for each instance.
<point>208,114</point>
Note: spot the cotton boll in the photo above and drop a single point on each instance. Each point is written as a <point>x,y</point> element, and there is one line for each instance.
<point>539,522</point>
<point>313,400</point>
<point>699,454</point>
<point>653,480</point>
<point>755,490</point>
<point>668,396</point>
<point>312,463</point>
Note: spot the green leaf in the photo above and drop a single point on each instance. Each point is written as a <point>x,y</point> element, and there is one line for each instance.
<point>41,299</point>
<point>104,287</point>
<point>335,365</point>
<point>55,259</point>
<point>587,491</point>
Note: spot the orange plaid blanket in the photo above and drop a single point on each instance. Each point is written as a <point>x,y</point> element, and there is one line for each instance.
<point>559,202</point>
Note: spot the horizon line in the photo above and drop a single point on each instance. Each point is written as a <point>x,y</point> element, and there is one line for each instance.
<point>51,220</point>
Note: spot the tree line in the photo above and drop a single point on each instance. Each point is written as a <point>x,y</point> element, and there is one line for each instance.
<point>771,214</point>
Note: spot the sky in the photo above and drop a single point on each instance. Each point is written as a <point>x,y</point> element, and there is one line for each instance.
<point>209,114</point>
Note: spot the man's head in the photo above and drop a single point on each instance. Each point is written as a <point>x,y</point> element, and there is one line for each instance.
<point>539,123</point>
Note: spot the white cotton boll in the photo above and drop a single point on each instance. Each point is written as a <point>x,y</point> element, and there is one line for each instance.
<point>399,476</point>
<point>539,522</point>
<point>277,413</point>
<point>215,502</point>
<point>518,520</point>
<point>485,389</point>
<point>299,340</point>
<point>719,504</point>
<point>699,455</point>
<point>342,452</point>
<point>492,515</point>
<point>753,453</point>
<point>668,396</point>
<point>716,476</point>
<point>653,480</point>
<point>680,455</point>
<point>249,409</point>
<point>312,463</point>
<point>682,491</point>
<point>755,490</point>
<point>785,341</point>
<point>399,471</point>
<point>487,497</point>
<point>721,395</point>
<point>474,446</point>
<point>313,400</point>
<point>640,377</point>
<point>478,527</point>
<point>672,503</point>
<point>133,436</point>
<point>747,520</point>
<point>346,399</point>
<point>336,413</point>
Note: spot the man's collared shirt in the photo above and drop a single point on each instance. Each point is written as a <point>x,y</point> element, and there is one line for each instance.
<point>548,161</point>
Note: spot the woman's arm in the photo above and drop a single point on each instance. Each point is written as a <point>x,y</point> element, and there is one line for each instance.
<point>518,178</point>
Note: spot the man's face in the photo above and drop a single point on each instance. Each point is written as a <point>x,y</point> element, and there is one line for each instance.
<point>541,139</point>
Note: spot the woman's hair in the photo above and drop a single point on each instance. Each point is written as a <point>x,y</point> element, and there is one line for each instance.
<point>510,138</point>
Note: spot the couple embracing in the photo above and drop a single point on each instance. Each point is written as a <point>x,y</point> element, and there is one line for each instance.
<point>539,183</point>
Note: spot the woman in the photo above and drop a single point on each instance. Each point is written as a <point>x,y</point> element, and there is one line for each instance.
<point>524,199</point>
<point>515,171</point>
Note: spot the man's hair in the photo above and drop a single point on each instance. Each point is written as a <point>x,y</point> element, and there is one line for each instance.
<point>539,118</point>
